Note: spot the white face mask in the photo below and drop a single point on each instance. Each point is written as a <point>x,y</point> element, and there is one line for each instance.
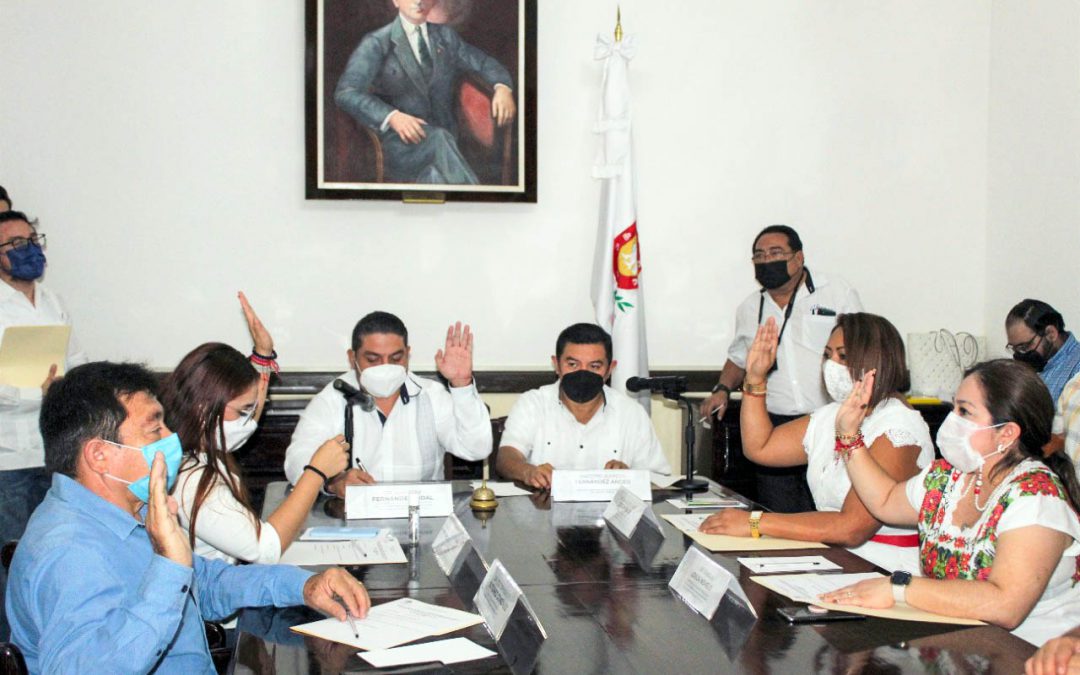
<point>954,441</point>
<point>238,431</point>
<point>837,380</point>
<point>382,381</point>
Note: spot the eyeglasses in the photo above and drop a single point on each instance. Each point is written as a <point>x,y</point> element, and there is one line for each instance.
<point>1024,347</point>
<point>771,255</point>
<point>22,242</point>
<point>246,412</point>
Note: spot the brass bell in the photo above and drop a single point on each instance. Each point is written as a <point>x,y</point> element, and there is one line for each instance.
<point>483,498</point>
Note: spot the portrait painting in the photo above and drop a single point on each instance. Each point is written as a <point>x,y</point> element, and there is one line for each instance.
<point>421,100</point>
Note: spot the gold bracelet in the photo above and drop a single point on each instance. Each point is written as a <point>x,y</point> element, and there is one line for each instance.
<point>754,390</point>
<point>755,524</point>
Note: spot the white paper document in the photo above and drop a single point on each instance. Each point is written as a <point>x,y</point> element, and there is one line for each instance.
<point>707,502</point>
<point>332,533</point>
<point>807,587</point>
<point>496,598</point>
<point>502,489</point>
<point>391,500</point>
<point>686,522</point>
<point>598,486</point>
<point>791,563</point>
<point>392,624</point>
<point>379,551</point>
<point>454,650</point>
<point>27,353</point>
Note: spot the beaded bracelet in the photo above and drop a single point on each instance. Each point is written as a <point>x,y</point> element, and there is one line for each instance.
<point>264,364</point>
<point>843,449</point>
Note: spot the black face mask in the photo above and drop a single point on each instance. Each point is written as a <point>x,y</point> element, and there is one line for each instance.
<point>1033,358</point>
<point>772,275</point>
<point>581,386</point>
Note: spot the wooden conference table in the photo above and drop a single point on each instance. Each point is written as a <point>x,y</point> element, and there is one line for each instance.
<point>606,610</point>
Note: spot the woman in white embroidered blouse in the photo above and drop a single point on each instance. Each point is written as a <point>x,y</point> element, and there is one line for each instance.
<point>213,400</point>
<point>897,436</point>
<point>998,529</point>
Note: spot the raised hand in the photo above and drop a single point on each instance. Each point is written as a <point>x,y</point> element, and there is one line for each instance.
<point>260,337</point>
<point>454,360</point>
<point>166,536</point>
<point>853,410</point>
<point>762,353</point>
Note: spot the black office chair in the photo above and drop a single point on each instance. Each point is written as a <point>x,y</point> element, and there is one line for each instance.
<point>11,660</point>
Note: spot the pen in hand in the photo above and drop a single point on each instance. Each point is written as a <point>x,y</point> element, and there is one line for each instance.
<point>348,616</point>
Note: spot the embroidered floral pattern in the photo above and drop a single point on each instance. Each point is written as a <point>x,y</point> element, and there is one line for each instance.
<point>970,554</point>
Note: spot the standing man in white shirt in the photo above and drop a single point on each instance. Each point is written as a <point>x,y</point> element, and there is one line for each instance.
<point>578,422</point>
<point>402,424</point>
<point>805,306</point>
<point>24,302</point>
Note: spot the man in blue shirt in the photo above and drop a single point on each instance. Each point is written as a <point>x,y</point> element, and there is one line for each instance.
<point>101,583</point>
<point>1037,336</point>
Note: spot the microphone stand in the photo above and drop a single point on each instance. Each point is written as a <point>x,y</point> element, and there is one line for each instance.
<point>688,484</point>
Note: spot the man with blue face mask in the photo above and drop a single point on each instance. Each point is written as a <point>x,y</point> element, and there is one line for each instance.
<point>399,426</point>
<point>104,580</point>
<point>24,301</point>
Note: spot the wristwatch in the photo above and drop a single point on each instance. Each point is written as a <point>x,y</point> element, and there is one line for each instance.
<point>720,386</point>
<point>755,522</point>
<point>900,580</point>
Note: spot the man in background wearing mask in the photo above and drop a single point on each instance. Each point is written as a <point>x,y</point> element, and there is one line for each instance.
<point>24,302</point>
<point>577,422</point>
<point>805,307</point>
<point>1037,336</point>
<point>402,424</point>
<point>104,580</point>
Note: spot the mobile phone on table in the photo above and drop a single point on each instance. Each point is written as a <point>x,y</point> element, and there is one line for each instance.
<point>816,615</point>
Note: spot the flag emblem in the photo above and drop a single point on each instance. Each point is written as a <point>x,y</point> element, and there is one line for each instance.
<point>627,262</point>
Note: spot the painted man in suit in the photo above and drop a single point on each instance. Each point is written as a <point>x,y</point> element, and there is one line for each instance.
<point>400,82</point>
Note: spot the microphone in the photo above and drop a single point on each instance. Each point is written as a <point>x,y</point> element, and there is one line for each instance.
<point>669,384</point>
<point>354,395</point>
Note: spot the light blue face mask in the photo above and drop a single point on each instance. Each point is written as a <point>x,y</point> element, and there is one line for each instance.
<point>173,452</point>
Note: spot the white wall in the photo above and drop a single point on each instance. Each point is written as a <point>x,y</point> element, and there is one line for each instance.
<point>162,146</point>
<point>1033,231</point>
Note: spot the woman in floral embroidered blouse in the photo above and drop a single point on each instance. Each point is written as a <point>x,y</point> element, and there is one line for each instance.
<point>998,528</point>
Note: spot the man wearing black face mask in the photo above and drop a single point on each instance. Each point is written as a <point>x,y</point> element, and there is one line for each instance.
<point>805,306</point>
<point>1037,336</point>
<point>24,302</point>
<point>577,422</point>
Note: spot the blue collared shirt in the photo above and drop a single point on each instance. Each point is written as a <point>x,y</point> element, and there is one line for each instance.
<point>1061,367</point>
<point>87,593</point>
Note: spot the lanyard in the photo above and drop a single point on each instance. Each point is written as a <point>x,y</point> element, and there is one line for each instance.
<point>787,312</point>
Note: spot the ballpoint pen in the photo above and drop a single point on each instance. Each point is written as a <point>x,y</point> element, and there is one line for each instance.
<point>352,624</point>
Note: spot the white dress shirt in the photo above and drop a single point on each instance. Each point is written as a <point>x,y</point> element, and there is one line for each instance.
<point>224,529</point>
<point>796,387</point>
<point>412,442</point>
<point>20,439</point>
<point>546,432</point>
<point>830,484</point>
